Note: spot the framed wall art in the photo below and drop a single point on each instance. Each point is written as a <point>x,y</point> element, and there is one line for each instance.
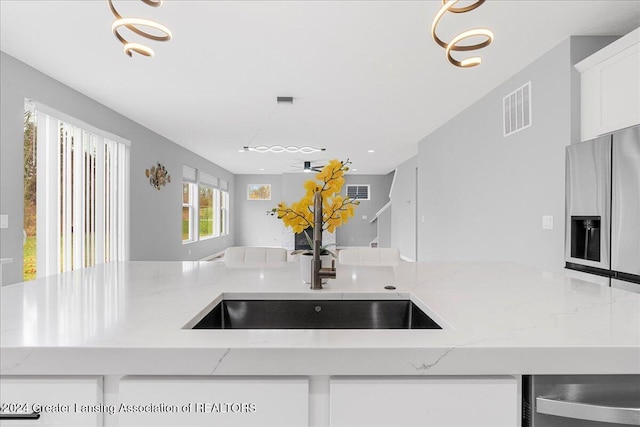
<point>259,192</point>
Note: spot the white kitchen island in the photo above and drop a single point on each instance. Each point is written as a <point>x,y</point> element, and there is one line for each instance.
<point>123,328</point>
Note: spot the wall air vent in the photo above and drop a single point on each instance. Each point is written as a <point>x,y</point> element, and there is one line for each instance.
<point>360,192</point>
<point>517,110</point>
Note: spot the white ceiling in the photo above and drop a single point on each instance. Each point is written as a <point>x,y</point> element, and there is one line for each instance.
<point>364,74</point>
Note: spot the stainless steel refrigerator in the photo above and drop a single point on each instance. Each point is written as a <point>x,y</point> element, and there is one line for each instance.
<point>603,208</point>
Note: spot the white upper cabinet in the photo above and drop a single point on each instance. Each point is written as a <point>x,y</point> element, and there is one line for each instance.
<point>610,87</point>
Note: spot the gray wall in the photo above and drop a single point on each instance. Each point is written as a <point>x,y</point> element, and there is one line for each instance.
<point>403,209</point>
<point>293,186</point>
<point>253,226</point>
<point>384,228</point>
<point>359,231</point>
<point>482,196</point>
<point>155,215</point>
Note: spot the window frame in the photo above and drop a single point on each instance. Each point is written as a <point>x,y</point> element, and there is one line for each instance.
<point>219,188</point>
<point>224,212</point>
<point>192,205</point>
<point>214,193</point>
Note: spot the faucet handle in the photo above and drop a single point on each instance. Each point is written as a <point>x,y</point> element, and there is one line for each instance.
<point>328,273</point>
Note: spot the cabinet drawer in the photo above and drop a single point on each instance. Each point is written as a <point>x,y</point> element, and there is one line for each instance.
<point>61,401</point>
<point>425,401</point>
<point>218,401</point>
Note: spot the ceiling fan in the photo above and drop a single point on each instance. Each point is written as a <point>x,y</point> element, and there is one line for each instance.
<point>309,168</point>
<point>307,165</point>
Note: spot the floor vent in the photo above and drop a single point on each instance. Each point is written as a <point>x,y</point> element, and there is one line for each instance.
<point>517,109</point>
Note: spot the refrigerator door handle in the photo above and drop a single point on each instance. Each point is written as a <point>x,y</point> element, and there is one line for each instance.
<point>588,411</point>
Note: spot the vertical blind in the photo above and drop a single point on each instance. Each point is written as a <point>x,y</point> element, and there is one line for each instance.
<point>82,196</point>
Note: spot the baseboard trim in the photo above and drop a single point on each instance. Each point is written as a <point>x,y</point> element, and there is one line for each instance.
<point>214,256</point>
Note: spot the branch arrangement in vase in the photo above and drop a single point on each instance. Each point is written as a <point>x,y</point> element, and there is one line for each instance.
<point>336,208</point>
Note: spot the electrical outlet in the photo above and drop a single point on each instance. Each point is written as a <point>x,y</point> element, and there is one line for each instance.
<point>547,222</point>
<point>364,217</point>
<point>4,221</point>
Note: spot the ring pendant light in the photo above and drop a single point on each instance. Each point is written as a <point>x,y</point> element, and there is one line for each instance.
<point>448,6</point>
<point>134,25</point>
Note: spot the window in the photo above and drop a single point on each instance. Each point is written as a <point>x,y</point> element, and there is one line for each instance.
<point>360,192</point>
<point>188,204</point>
<point>30,195</point>
<point>206,210</point>
<point>187,211</point>
<point>205,206</point>
<point>81,204</point>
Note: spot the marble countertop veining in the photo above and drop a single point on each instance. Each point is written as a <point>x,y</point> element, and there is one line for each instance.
<point>498,318</point>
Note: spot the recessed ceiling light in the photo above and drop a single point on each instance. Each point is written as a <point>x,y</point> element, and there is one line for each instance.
<point>261,169</point>
<point>242,150</point>
<point>355,170</point>
<point>371,151</point>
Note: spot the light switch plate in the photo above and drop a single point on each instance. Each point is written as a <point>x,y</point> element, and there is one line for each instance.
<point>547,222</point>
<point>4,221</point>
<point>364,217</point>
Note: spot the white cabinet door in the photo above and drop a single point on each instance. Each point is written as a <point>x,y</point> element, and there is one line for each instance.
<point>610,88</point>
<point>61,401</point>
<point>213,401</point>
<point>424,401</point>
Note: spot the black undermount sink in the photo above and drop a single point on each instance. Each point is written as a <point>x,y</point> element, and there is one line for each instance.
<point>316,314</point>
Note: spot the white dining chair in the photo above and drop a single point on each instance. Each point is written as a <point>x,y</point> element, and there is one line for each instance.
<point>369,256</point>
<point>251,256</point>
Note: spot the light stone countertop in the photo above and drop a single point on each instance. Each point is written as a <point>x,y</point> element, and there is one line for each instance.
<point>128,318</point>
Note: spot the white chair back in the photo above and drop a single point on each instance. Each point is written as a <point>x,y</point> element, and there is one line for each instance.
<point>369,256</point>
<point>250,256</point>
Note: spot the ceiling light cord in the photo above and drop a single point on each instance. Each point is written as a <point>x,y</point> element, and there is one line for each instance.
<point>133,25</point>
<point>262,125</point>
<point>304,125</point>
<point>448,6</point>
<point>281,148</point>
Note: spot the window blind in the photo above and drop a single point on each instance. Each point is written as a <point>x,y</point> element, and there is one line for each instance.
<point>82,197</point>
<point>188,174</point>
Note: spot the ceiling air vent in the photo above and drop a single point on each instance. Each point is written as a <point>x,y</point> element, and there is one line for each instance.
<point>517,110</point>
<point>360,192</point>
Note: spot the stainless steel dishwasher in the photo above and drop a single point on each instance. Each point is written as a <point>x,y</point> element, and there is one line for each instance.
<point>580,400</point>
